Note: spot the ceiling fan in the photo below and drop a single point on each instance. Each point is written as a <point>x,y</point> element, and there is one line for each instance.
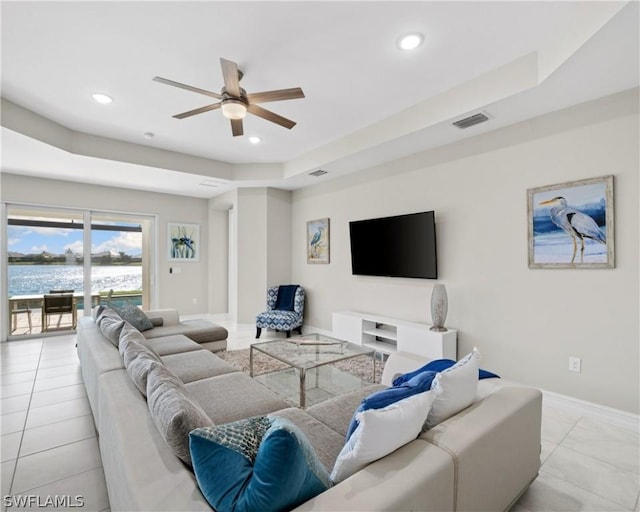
<point>234,100</point>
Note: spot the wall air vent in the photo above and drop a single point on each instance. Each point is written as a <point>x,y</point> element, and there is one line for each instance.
<point>210,183</point>
<point>317,173</point>
<point>467,122</point>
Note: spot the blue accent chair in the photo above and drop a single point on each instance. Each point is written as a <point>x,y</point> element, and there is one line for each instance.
<point>278,319</point>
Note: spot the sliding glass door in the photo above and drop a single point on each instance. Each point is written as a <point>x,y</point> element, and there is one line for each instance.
<point>51,275</point>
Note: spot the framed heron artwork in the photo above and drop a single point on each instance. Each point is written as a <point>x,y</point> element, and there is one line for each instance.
<point>318,241</point>
<point>183,241</point>
<point>571,224</point>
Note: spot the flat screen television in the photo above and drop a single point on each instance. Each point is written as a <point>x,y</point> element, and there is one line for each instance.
<point>400,246</point>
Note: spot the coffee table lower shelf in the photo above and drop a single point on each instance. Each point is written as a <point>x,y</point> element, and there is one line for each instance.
<point>320,384</point>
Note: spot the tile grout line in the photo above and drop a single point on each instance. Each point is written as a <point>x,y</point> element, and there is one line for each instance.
<point>59,446</point>
<point>574,484</point>
<point>60,479</point>
<point>58,421</point>
<point>26,417</point>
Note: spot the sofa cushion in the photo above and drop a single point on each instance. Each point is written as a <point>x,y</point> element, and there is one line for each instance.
<point>456,388</point>
<point>110,324</point>
<point>337,412</point>
<point>173,411</point>
<point>380,432</point>
<point>175,344</point>
<point>326,443</point>
<point>234,396</point>
<point>199,331</point>
<point>268,465</point>
<point>131,336</point>
<point>196,365</point>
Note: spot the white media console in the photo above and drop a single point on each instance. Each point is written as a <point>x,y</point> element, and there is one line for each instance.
<point>388,335</point>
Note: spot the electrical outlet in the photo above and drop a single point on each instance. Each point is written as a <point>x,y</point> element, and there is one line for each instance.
<point>195,301</point>
<point>574,364</point>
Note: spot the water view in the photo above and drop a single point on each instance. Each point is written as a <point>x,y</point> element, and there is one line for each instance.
<point>39,279</point>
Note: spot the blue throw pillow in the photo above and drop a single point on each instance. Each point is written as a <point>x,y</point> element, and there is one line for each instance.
<point>438,365</point>
<point>286,297</point>
<point>261,463</point>
<point>419,383</point>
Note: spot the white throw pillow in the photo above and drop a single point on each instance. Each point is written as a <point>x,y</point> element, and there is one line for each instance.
<point>380,432</point>
<point>455,388</point>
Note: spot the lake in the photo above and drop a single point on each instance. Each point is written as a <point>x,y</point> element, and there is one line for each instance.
<point>36,279</point>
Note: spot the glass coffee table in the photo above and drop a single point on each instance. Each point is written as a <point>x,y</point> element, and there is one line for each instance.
<point>309,378</point>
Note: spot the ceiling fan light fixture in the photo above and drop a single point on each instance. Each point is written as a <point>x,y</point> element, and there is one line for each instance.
<point>254,140</point>
<point>410,41</point>
<point>234,109</point>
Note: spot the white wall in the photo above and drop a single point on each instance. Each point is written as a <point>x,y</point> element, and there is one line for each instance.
<point>279,238</point>
<point>525,322</point>
<point>174,290</point>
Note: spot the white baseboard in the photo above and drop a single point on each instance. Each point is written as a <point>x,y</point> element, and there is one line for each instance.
<point>617,417</point>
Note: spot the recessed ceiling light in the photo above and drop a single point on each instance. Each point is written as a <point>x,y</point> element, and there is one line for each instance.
<point>149,135</point>
<point>410,41</point>
<point>254,139</point>
<point>101,98</point>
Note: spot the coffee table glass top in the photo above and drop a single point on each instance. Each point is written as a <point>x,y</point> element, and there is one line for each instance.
<point>310,379</point>
<point>311,350</point>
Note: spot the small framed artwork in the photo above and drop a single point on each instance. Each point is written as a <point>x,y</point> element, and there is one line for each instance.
<point>571,224</point>
<point>318,241</point>
<point>184,241</point>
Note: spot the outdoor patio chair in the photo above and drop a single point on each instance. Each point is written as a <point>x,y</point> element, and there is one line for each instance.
<point>20,308</point>
<point>58,304</point>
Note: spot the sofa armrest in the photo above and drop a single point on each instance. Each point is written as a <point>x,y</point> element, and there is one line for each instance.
<point>495,444</point>
<point>169,316</point>
<point>418,476</point>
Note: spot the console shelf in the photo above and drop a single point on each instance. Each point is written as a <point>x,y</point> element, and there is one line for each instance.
<point>389,335</point>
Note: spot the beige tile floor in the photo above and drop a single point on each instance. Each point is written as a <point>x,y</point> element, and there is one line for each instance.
<point>49,444</point>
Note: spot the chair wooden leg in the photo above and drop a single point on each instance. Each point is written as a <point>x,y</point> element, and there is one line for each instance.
<point>288,334</point>
<point>299,329</point>
<point>258,332</point>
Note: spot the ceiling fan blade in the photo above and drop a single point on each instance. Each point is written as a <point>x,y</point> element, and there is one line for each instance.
<point>186,87</point>
<point>230,75</point>
<point>282,94</point>
<point>236,127</point>
<point>271,116</point>
<point>197,111</point>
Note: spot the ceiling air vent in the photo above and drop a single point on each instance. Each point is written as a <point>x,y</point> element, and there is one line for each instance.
<point>317,173</point>
<point>467,122</point>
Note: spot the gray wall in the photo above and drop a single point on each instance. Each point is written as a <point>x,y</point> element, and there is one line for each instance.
<point>525,322</point>
<point>174,290</point>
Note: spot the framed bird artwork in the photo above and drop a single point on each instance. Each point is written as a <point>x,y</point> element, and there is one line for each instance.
<point>318,241</point>
<point>183,242</point>
<point>571,224</point>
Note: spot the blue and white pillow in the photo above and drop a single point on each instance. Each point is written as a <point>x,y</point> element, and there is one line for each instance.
<point>261,463</point>
<point>455,387</point>
<point>419,383</point>
<point>380,432</point>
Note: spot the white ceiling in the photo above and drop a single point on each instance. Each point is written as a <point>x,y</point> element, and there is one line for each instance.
<point>366,101</point>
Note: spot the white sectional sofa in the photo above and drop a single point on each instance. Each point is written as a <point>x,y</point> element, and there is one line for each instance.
<point>481,459</point>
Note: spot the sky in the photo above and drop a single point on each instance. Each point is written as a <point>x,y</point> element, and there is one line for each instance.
<point>35,240</point>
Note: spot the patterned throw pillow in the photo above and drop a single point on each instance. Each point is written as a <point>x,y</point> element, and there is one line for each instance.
<point>268,464</point>
<point>135,316</point>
